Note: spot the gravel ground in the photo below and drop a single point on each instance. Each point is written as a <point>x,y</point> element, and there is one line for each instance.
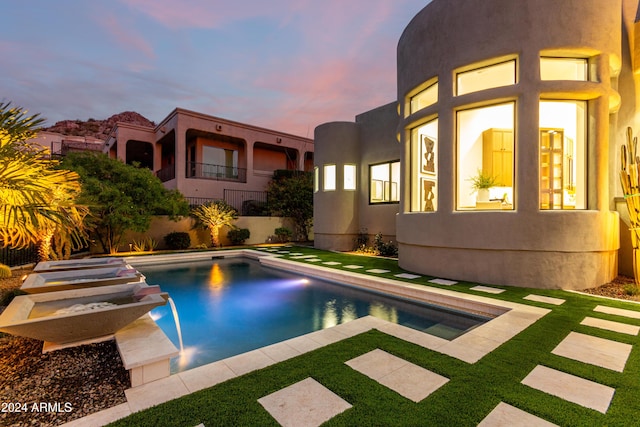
<point>50,389</point>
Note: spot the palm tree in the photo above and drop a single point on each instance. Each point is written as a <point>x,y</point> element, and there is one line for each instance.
<point>35,198</point>
<point>215,215</point>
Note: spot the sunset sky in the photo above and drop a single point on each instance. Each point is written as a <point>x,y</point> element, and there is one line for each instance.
<point>281,64</point>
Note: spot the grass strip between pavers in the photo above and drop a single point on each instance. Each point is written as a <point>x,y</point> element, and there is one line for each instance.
<point>472,392</point>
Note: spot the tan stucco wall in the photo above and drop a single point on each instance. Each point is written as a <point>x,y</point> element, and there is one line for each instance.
<point>526,246</point>
<point>335,213</point>
<point>340,215</point>
<point>378,144</point>
<point>261,228</point>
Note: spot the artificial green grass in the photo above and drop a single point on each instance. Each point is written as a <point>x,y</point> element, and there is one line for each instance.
<point>472,392</point>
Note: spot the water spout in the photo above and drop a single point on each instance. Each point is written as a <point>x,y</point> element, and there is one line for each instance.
<point>177,322</point>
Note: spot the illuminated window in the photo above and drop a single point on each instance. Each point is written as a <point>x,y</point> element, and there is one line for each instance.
<point>485,156</point>
<point>349,177</point>
<point>563,154</point>
<point>502,74</point>
<point>316,179</point>
<point>563,69</point>
<point>424,167</point>
<point>384,181</point>
<point>329,181</point>
<point>423,99</point>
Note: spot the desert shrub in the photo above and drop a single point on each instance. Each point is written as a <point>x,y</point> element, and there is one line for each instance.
<point>177,240</point>
<point>383,248</point>
<point>255,208</point>
<point>632,290</point>
<point>283,233</point>
<point>361,241</point>
<point>5,271</point>
<point>237,236</point>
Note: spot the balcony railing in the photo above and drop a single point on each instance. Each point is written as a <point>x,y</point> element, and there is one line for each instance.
<point>167,173</point>
<point>216,172</point>
<point>247,203</point>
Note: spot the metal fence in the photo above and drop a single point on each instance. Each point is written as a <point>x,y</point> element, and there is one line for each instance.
<point>14,257</point>
<point>247,203</point>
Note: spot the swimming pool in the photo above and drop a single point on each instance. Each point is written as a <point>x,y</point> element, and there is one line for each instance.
<point>233,305</point>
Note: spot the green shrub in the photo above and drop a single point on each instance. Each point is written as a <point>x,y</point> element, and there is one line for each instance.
<point>384,249</point>
<point>5,271</point>
<point>632,290</point>
<point>283,233</point>
<point>177,240</point>
<point>361,241</point>
<point>237,236</point>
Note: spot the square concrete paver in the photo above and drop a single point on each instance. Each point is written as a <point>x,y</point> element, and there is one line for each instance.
<point>377,271</point>
<point>571,388</point>
<point>403,377</point>
<point>443,282</point>
<point>595,351</point>
<point>546,300</point>
<point>487,289</point>
<point>609,325</point>
<point>313,260</point>
<point>407,276</point>
<point>352,266</point>
<point>618,311</point>
<point>332,263</point>
<point>505,415</point>
<point>304,404</point>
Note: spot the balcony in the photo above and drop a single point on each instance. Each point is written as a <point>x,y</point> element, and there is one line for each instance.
<point>167,173</point>
<point>216,172</point>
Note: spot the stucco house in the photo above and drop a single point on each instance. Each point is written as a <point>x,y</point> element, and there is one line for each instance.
<point>204,156</point>
<point>536,96</point>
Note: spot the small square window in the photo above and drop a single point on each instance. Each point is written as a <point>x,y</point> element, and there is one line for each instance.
<point>424,98</point>
<point>497,75</point>
<point>349,177</point>
<point>563,69</point>
<point>329,182</point>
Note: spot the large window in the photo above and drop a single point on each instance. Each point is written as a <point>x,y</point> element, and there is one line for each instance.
<point>497,75</point>
<point>329,179</point>
<point>219,162</point>
<point>563,69</point>
<point>424,98</point>
<point>424,167</point>
<point>563,154</point>
<point>384,182</point>
<point>485,157</point>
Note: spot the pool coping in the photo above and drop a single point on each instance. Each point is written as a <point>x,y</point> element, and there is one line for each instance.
<point>469,347</point>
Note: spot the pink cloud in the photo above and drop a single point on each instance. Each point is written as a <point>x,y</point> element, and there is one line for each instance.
<point>126,36</point>
<point>205,13</point>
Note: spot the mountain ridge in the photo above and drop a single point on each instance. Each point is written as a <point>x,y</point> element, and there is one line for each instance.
<point>98,128</point>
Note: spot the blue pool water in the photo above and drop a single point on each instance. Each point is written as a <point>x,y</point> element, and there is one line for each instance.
<point>234,305</point>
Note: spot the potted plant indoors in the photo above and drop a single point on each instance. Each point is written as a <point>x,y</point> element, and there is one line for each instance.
<point>481,183</point>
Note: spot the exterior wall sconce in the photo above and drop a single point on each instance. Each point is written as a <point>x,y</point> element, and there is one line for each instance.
<point>279,140</point>
<point>218,127</point>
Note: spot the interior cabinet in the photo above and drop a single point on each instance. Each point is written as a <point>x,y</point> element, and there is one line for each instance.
<point>497,155</point>
<point>551,168</point>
